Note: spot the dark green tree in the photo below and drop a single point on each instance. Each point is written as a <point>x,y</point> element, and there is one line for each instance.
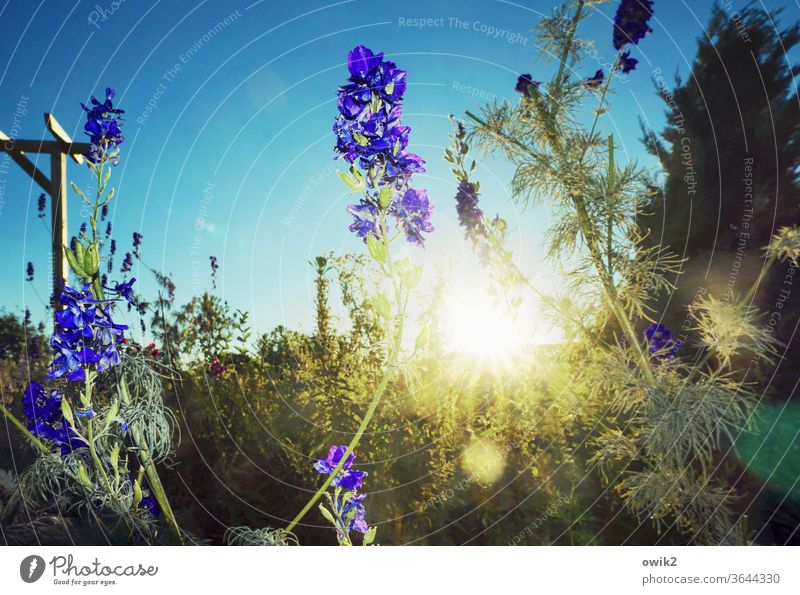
<point>731,155</point>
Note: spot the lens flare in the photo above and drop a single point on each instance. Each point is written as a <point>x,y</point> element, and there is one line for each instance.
<point>476,326</point>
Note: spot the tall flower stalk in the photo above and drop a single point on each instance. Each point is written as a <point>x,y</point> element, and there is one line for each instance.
<point>372,138</point>
<point>103,127</point>
<point>86,343</point>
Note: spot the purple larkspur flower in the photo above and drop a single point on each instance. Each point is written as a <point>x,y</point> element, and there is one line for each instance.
<point>41,205</point>
<point>595,81</point>
<point>46,419</point>
<point>150,504</point>
<point>630,22</point>
<point>353,513</point>
<point>626,63</point>
<point>414,213</point>
<point>137,243</point>
<point>102,127</point>
<point>29,272</point>
<point>85,335</point>
<point>524,81</point>
<point>348,478</point>
<point>125,290</point>
<point>370,135</point>
<point>470,216</point>
<point>659,339</point>
<point>127,263</point>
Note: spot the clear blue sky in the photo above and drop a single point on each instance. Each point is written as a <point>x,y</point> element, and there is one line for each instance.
<point>232,157</point>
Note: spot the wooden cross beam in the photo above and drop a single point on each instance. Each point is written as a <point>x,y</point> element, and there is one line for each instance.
<point>55,185</point>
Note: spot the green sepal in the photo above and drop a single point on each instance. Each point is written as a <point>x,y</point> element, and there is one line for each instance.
<point>353,183</point>
<point>73,262</point>
<point>137,493</point>
<point>369,536</point>
<point>114,459</point>
<point>83,477</point>
<point>66,411</point>
<point>376,248</point>
<point>327,514</point>
<point>385,196</point>
<point>77,190</point>
<point>91,259</point>
<point>381,303</point>
<point>112,413</point>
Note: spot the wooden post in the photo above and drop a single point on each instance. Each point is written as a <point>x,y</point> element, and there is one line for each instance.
<point>58,222</point>
<point>55,186</point>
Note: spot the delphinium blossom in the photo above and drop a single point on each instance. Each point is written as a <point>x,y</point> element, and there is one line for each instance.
<point>347,505</point>
<point>371,136</point>
<point>41,204</point>
<point>137,244</point>
<point>29,272</point>
<point>372,139</point>
<point>524,84</point>
<point>127,263</point>
<point>217,368</point>
<point>470,216</point>
<point>660,341</point>
<point>46,419</point>
<point>102,127</point>
<point>630,22</point>
<point>150,504</point>
<point>347,478</point>
<point>626,63</point>
<point>214,268</point>
<point>630,27</point>
<point>593,82</point>
<point>86,337</point>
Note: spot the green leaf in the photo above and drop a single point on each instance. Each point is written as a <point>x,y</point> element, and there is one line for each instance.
<point>414,277</point>
<point>80,251</point>
<point>353,184</point>
<point>83,476</point>
<point>91,260</point>
<point>369,536</point>
<point>611,161</point>
<point>375,103</point>
<point>73,263</point>
<point>112,413</point>
<point>385,196</point>
<point>376,249</point>
<point>114,458</point>
<point>66,411</point>
<point>327,514</point>
<point>137,493</point>
<point>381,303</point>
<point>77,190</point>
<point>360,139</point>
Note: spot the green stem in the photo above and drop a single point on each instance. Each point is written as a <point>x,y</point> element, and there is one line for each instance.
<point>351,447</point>
<point>151,472</point>
<point>400,303</point>
<point>90,437</point>
<point>21,427</point>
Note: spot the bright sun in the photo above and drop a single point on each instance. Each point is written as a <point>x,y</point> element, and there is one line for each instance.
<point>476,326</point>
